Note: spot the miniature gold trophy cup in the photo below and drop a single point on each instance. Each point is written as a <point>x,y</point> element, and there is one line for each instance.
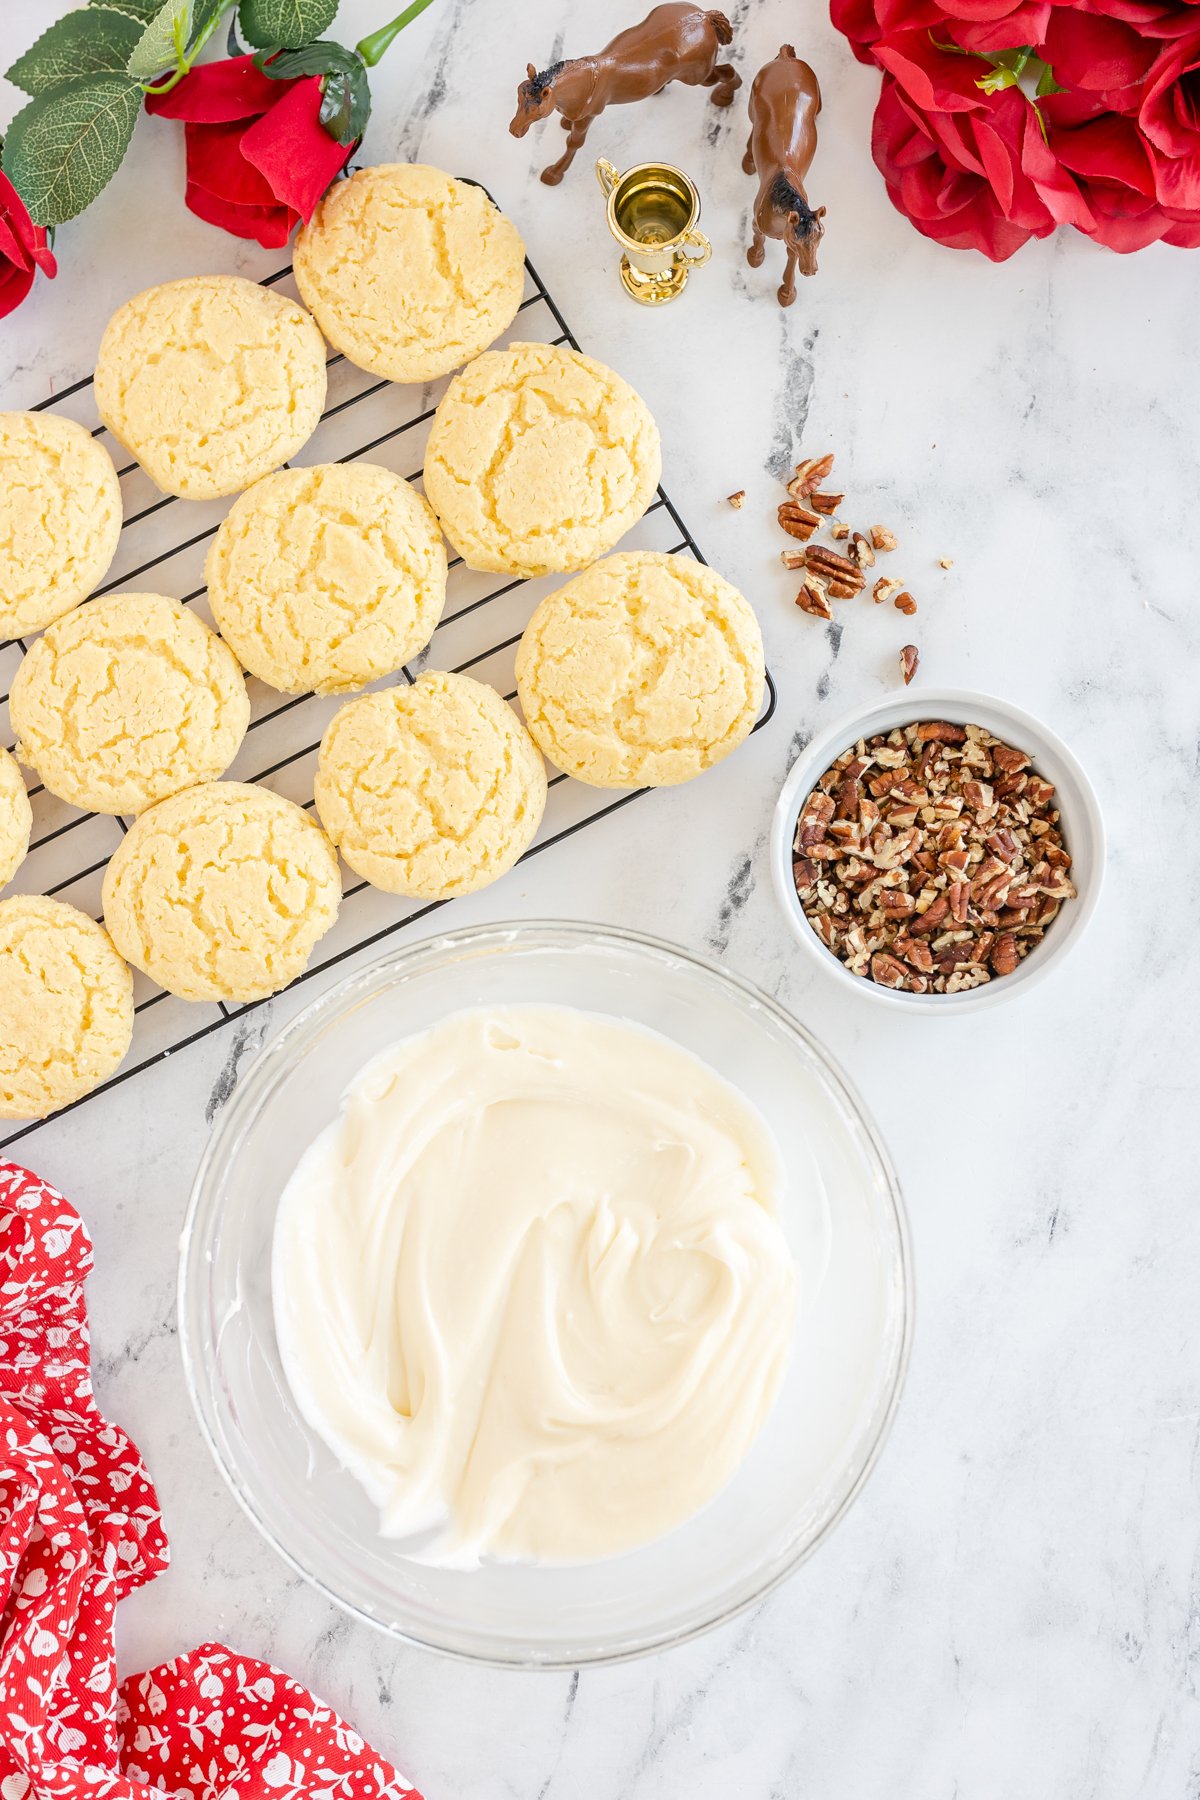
<point>652,213</point>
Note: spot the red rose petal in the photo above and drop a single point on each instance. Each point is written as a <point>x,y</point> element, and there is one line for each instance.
<point>216,92</point>
<point>15,283</point>
<point>1095,53</point>
<point>294,151</point>
<point>215,161</point>
<point>1109,149</point>
<point>271,226</point>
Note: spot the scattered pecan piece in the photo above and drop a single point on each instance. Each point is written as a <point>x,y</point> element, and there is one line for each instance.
<point>859,551</point>
<point>738,499</point>
<point>910,656</point>
<point>884,588</point>
<point>905,603</point>
<point>831,566</point>
<point>825,503</point>
<point>946,562</point>
<point>839,529</point>
<point>792,559</point>
<point>809,475</point>
<point>882,538</point>
<point>813,599</point>
<point>798,521</point>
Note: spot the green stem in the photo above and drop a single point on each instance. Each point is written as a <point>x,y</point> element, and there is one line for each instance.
<point>372,48</point>
<point>184,59</point>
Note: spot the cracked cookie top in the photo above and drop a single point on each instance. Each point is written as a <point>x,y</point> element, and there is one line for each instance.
<point>409,272</point>
<point>644,671</point>
<point>126,701</point>
<point>66,1006</point>
<point>539,460</point>
<point>430,790</point>
<point>221,892</point>
<point>60,518</point>
<point>16,818</point>
<point>325,578</point>
<point>210,382</point>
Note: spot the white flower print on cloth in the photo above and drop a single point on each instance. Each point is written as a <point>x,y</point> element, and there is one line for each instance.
<point>79,1529</point>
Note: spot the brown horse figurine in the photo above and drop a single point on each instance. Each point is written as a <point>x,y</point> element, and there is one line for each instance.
<point>784,103</point>
<point>672,43</point>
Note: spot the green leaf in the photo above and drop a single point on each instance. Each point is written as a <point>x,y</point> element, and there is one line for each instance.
<point>346,104</point>
<point>1047,84</point>
<point>205,14</point>
<point>159,45</point>
<point>270,24</point>
<point>323,58</point>
<point>90,42</point>
<point>68,143</point>
<point>142,10</point>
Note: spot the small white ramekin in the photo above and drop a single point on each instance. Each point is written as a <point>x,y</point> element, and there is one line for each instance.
<point>1082,829</point>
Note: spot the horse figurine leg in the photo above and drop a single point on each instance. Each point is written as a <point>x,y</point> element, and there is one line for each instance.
<point>748,159</point>
<point>577,130</point>
<point>758,249</point>
<point>787,287</point>
<point>724,82</point>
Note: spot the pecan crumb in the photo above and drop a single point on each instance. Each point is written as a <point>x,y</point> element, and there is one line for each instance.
<point>910,656</point>
<point>882,538</point>
<point>737,499</point>
<point>930,859</point>
<point>905,603</point>
<point>946,562</point>
<point>792,559</point>
<point>884,588</point>
<point>840,530</point>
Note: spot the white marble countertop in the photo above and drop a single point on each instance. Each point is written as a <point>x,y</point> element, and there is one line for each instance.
<point>1011,1607</point>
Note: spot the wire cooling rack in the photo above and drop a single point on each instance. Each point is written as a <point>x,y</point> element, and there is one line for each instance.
<point>163,546</point>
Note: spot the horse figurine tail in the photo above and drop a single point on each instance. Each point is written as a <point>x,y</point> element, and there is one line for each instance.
<point>787,50</point>
<point>721,26</point>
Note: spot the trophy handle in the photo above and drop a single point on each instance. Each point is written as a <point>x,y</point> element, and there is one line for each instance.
<point>702,248</point>
<point>606,175</point>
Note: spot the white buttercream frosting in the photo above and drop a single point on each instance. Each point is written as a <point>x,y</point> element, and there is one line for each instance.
<point>530,1287</point>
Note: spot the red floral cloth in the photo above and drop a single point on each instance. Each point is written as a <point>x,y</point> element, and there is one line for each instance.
<point>79,1529</point>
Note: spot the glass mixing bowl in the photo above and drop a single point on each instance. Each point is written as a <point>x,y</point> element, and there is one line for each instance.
<point>837,1399</point>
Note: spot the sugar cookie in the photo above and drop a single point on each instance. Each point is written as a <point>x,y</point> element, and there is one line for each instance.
<point>408,271</point>
<point>643,671</point>
<point>16,818</point>
<point>539,460</point>
<point>66,1006</point>
<point>430,790</point>
<point>210,382</point>
<point>220,892</point>
<point>60,518</point>
<point>128,700</point>
<point>325,578</point>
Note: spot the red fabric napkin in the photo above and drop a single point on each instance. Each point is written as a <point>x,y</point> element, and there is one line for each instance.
<point>79,1529</point>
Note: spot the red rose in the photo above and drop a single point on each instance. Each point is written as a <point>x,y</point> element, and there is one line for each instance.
<point>971,170</point>
<point>982,26</point>
<point>258,157</point>
<point>1169,116</point>
<point>1100,60</point>
<point>1114,167</point>
<point>24,249</point>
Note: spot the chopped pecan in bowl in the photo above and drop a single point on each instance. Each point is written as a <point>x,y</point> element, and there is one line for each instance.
<point>933,859</point>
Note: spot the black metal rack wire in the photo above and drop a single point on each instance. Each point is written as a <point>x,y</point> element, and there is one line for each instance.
<point>166,538</point>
